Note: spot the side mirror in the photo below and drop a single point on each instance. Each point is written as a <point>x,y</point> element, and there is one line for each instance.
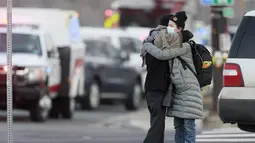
<point>52,54</point>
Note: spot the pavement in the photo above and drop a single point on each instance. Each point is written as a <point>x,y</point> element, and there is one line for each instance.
<point>109,124</point>
<point>78,130</point>
<point>141,120</point>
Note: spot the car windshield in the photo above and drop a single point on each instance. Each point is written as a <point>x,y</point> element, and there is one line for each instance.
<point>22,43</point>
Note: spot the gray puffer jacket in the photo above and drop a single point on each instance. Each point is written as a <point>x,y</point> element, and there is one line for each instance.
<point>187,100</point>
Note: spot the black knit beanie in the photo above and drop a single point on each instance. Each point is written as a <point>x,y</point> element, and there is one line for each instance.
<point>180,19</point>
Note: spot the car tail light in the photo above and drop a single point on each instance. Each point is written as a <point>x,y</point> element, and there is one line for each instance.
<point>232,75</point>
<point>5,68</point>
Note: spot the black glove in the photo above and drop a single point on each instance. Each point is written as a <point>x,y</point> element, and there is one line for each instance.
<point>186,35</point>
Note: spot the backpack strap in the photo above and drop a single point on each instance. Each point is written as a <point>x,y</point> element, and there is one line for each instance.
<point>192,43</point>
<point>185,64</point>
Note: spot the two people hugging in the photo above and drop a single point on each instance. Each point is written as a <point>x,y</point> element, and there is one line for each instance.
<point>170,89</point>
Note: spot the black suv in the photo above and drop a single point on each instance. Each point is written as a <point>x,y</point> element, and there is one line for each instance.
<point>108,77</point>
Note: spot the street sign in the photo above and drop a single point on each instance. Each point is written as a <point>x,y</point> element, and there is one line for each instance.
<point>228,12</point>
<point>223,2</point>
<point>217,2</point>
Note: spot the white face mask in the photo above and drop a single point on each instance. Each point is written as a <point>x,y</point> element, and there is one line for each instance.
<point>170,30</point>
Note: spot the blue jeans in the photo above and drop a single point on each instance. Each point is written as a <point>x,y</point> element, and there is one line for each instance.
<point>185,130</point>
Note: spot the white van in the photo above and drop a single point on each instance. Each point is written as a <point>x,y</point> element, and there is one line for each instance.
<point>47,61</point>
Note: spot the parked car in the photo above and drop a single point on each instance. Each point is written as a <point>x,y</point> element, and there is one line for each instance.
<point>107,77</point>
<point>139,34</point>
<point>237,98</point>
<point>121,40</point>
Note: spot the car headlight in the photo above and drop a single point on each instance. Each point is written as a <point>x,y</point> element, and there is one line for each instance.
<point>33,74</point>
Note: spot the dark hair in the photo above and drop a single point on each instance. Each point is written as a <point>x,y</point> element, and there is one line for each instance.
<point>186,35</point>
<point>164,20</point>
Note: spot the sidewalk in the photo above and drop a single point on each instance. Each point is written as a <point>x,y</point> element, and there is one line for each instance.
<point>141,120</point>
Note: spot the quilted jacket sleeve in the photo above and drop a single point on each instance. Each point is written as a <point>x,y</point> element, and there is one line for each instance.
<point>166,53</point>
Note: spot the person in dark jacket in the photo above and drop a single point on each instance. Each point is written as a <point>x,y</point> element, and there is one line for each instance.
<point>156,86</point>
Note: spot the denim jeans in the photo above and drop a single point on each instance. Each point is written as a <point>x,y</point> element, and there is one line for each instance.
<point>185,130</point>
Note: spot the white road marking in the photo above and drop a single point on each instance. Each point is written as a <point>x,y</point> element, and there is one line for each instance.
<point>225,135</point>
<point>232,140</point>
<point>224,131</point>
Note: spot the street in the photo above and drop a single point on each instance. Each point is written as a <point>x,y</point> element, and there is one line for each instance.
<point>85,127</point>
<point>90,127</point>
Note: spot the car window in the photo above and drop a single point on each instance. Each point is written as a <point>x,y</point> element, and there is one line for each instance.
<point>95,48</point>
<point>96,36</point>
<point>232,36</point>
<point>128,45</point>
<point>138,44</point>
<point>22,43</point>
<point>243,44</point>
<point>111,51</point>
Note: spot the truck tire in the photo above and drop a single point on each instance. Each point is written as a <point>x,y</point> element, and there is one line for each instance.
<point>67,107</point>
<point>92,100</point>
<point>40,110</point>
<point>134,99</point>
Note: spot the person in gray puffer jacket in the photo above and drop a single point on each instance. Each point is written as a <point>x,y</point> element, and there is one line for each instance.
<point>186,103</point>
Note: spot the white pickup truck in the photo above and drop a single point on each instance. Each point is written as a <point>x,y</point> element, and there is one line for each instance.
<point>47,61</point>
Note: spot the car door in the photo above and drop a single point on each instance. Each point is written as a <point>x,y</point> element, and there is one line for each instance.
<point>53,66</point>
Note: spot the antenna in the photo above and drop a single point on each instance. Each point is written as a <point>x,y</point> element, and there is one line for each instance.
<point>9,70</point>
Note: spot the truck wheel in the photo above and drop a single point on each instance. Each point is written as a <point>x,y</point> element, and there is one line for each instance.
<point>133,100</point>
<point>40,111</point>
<point>92,99</point>
<point>67,107</point>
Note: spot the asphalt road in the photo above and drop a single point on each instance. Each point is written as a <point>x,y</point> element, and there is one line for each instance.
<point>84,129</point>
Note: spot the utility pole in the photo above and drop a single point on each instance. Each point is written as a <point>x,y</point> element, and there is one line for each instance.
<point>219,26</point>
<point>219,13</point>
